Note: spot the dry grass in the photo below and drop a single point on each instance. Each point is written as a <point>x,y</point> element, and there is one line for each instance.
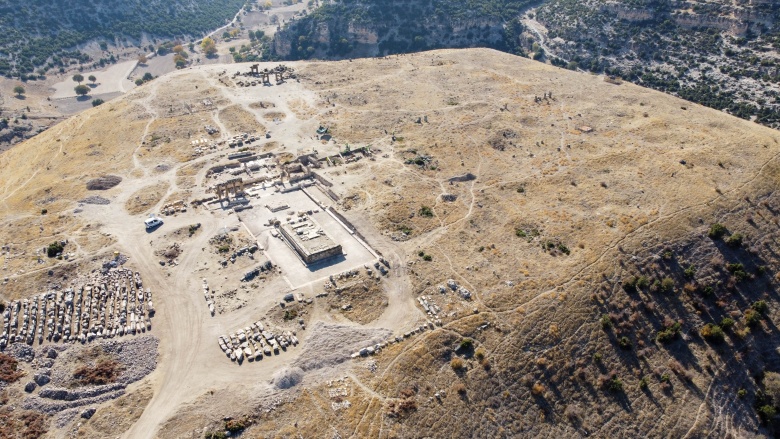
<point>366,298</point>
<point>9,369</point>
<point>238,120</point>
<point>145,199</point>
<point>116,417</point>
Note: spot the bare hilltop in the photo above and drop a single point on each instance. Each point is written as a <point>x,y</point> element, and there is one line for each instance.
<point>455,243</point>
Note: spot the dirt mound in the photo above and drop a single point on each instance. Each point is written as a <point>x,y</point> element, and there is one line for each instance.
<point>288,377</point>
<point>103,183</point>
<point>330,345</point>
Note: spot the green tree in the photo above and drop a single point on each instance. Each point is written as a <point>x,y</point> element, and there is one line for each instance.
<point>81,90</point>
<point>92,78</point>
<point>19,91</point>
<point>208,46</point>
<point>78,77</point>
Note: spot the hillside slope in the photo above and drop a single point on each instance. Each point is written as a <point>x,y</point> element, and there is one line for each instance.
<point>44,34</point>
<point>603,231</point>
<point>720,54</point>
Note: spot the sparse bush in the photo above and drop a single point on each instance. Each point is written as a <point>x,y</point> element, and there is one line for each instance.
<point>767,413</point>
<point>629,286</point>
<point>466,344</point>
<point>427,258</point>
<point>479,354</point>
<point>690,271</point>
<point>460,388</point>
<point>234,426</point>
<point>426,212</point>
<point>597,357</point>
<point>734,240</point>
<point>615,385</point>
<point>54,249</point>
<point>752,317</point>
<point>538,389</point>
<point>290,314</point>
<point>712,333</point>
<point>717,231</point>
<point>215,435</point>
<point>741,393</point>
<point>642,282</point>
<point>606,322</point>
<point>669,333</point>
<point>9,372</point>
<point>44,211</point>
<point>456,364</point>
<point>665,378</point>
<point>643,383</point>
<point>520,233</point>
<point>563,249</point>
<point>760,306</point>
<point>727,323</point>
<point>667,285</point>
<point>105,371</point>
<point>738,271</point>
<point>624,343</point>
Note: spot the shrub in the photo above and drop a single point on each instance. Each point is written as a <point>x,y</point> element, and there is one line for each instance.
<point>54,249</point>
<point>690,271</point>
<point>215,435</point>
<point>642,282</point>
<point>734,240</point>
<point>104,372</point>
<point>727,323</point>
<point>643,383</point>
<point>9,369</point>
<point>234,425</point>
<point>667,285</point>
<point>97,102</point>
<point>717,231</point>
<point>615,385</point>
<point>460,388</point>
<point>597,357</point>
<point>669,334</point>
<point>629,286</point>
<point>624,343</point>
<point>712,333</point>
<point>44,211</point>
<point>520,233</point>
<point>466,344</point>
<point>752,317</point>
<point>480,354</point>
<point>760,306</point>
<point>606,321</point>
<point>738,271</point>
<point>426,212</point>
<point>456,364</point>
<point>538,389</point>
<point>767,412</point>
<point>290,314</point>
<point>427,258</point>
<point>741,393</point>
<point>563,249</point>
